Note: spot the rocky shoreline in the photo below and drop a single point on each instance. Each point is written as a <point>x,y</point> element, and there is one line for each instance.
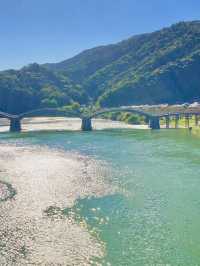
<point>6,191</point>
<point>46,177</point>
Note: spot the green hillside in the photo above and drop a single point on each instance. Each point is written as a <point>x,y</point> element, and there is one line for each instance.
<point>151,68</point>
<point>159,67</point>
<point>34,87</point>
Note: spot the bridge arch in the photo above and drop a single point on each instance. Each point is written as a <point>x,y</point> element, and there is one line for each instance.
<point>6,115</point>
<point>15,120</point>
<point>50,112</point>
<point>121,109</point>
<point>153,120</point>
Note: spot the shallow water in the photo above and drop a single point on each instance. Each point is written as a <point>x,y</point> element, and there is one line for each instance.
<point>125,197</point>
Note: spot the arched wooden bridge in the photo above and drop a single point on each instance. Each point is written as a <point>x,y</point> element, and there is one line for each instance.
<point>152,117</point>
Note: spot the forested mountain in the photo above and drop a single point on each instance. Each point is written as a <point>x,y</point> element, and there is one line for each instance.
<point>159,67</point>
<point>35,86</point>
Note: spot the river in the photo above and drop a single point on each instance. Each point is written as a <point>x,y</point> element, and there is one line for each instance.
<point>108,197</point>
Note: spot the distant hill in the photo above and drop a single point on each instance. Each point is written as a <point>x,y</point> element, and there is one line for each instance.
<point>34,87</point>
<point>158,67</point>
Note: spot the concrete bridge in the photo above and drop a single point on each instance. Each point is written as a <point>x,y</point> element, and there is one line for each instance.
<point>153,118</point>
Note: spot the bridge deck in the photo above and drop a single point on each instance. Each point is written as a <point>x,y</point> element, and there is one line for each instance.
<point>153,113</point>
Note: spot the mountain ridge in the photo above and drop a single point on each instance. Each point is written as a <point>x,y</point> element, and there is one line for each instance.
<point>150,68</point>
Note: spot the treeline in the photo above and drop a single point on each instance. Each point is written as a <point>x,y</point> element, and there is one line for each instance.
<point>159,67</point>
<point>35,87</point>
<point>128,118</point>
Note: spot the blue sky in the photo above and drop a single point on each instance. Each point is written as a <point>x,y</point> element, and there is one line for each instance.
<point>53,30</point>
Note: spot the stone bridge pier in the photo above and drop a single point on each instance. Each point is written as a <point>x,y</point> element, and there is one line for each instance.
<point>86,124</point>
<point>15,124</point>
<point>154,122</point>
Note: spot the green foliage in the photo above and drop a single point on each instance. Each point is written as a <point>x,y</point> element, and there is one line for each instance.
<point>128,118</point>
<point>134,119</point>
<point>72,107</point>
<point>51,103</point>
<point>35,87</point>
<point>160,67</point>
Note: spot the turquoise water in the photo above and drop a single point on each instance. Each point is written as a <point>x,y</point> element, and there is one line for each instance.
<point>154,217</point>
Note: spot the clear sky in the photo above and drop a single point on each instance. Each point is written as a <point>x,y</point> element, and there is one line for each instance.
<point>53,30</point>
